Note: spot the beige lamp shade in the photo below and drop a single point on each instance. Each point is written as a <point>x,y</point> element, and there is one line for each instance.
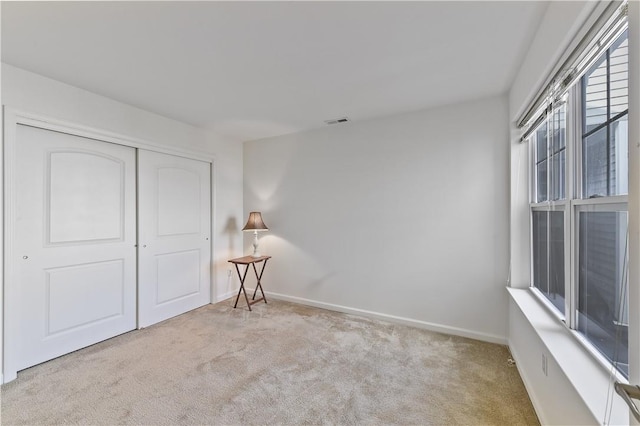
<point>255,223</point>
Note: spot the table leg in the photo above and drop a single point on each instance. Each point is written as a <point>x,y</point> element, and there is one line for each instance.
<point>242,290</point>
<point>258,278</point>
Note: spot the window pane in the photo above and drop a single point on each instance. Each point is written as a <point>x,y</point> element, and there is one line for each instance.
<point>594,89</point>
<point>595,165</point>
<point>619,76</point>
<point>605,163</point>
<point>548,255</point>
<point>541,142</point>
<point>558,149</point>
<point>556,260</point>
<point>541,172</point>
<point>540,250</point>
<point>604,152</point>
<point>619,134</point>
<point>602,283</point>
<point>558,132</point>
<point>557,176</point>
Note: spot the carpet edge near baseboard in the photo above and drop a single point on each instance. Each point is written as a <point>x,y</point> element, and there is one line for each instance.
<point>438,328</point>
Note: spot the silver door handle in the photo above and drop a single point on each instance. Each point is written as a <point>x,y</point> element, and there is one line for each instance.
<point>629,393</point>
<point>25,257</point>
<point>144,246</point>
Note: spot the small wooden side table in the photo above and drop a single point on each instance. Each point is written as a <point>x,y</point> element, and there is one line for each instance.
<point>248,260</point>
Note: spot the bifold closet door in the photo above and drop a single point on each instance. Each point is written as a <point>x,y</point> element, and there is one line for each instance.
<point>74,265</point>
<point>174,233</point>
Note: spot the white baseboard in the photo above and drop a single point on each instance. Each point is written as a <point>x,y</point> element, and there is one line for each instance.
<point>485,337</point>
<point>225,296</point>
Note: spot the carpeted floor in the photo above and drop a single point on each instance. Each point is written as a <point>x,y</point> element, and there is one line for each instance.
<point>280,364</point>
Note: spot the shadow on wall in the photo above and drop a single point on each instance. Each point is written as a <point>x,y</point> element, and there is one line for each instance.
<point>231,230</point>
<point>275,172</point>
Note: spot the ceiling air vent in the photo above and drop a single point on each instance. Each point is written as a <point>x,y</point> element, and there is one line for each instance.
<point>337,120</point>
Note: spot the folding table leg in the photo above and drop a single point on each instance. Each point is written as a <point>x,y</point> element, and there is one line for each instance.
<point>259,278</point>
<point>242,290</point>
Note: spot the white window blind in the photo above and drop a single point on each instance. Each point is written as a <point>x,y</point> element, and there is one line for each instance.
<point>598,39</point>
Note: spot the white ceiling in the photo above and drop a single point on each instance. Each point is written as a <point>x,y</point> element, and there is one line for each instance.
<point>250,70</point>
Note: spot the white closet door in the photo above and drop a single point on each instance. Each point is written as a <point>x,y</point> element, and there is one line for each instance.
<point>174,226</point>
<point>75,257</point>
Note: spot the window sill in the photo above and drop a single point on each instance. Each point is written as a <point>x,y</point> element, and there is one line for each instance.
<point>579,338</point>
<point>591,380</point>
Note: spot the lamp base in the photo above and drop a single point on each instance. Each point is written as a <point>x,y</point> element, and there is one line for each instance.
<point>255,245</point>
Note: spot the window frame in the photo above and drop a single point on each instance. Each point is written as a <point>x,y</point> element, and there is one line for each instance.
<point>573,203</point>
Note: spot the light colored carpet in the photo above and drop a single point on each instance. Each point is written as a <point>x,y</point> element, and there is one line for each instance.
<point>280,364</point>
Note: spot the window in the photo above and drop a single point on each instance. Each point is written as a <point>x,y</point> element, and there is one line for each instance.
<point>579,205</point>
<point>548,219</point>
<point>548,255</point>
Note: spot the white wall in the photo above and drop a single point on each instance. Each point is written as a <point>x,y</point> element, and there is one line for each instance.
<point>228,213</point>
<point>33,93</point>
<point>405,216</point>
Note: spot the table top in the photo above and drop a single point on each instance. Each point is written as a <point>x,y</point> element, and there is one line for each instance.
<point>246,260</point>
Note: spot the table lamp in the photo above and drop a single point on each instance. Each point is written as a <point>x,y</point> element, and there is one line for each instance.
<point>256,225</point>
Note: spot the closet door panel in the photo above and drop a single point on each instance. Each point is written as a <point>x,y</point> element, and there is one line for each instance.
<point>174,220</point>
<point>75,255</point>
